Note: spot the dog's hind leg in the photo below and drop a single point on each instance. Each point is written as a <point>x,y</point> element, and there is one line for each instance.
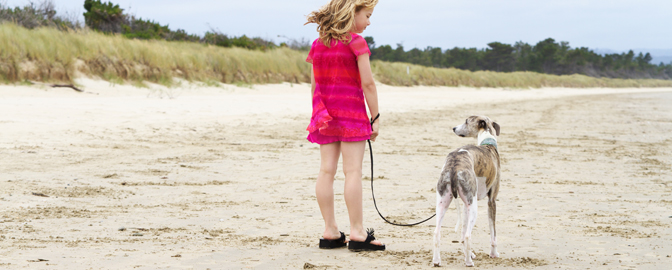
<point>470,213</point>
<point>442,203</point>
<point>459,216</point>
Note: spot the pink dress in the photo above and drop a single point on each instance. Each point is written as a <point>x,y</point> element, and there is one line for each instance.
<point>339,113</point>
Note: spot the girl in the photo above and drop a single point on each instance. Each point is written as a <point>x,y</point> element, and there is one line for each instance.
<point>341,80</point>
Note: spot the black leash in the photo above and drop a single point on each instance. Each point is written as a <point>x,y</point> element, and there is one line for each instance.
<point>374,197</point>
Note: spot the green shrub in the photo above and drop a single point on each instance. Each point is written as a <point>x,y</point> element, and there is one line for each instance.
<point>105,17</point>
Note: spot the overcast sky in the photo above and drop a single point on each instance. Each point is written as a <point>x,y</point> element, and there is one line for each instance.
<point>598,24</point>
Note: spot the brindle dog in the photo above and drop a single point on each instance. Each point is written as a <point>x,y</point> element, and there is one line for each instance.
<point>470,172</point>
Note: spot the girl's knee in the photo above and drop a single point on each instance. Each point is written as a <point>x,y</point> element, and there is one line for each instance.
<point>328,172</point>
<point>353,172</point>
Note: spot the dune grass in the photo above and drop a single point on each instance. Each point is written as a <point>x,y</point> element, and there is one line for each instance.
<point>49,55</point>
<point>46,54</point>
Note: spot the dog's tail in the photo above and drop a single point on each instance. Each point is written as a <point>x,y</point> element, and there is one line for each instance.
<point>453,182</point>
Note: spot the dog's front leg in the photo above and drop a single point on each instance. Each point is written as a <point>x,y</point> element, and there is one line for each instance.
<point>492,212</point>
<point>442,203</point>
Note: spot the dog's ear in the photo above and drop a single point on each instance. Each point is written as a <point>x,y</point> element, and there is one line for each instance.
<point>482,124</point>
<point>496,126</point>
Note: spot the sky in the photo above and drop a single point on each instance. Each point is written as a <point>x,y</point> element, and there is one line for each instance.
<point>609,25</point>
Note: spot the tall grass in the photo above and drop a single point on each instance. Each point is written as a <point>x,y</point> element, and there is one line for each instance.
<point>46,54</point>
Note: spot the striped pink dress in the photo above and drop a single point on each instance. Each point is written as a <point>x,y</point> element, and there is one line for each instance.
<point>339,113</point>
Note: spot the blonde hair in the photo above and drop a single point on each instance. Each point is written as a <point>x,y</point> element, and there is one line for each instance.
<point>336,19</point>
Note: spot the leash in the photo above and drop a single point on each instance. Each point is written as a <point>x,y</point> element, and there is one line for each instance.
<point>374,197</point>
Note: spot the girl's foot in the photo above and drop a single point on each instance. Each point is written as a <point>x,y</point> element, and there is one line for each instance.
<point>361,242</point>
<point>334,243</point>
<point>331,234</point>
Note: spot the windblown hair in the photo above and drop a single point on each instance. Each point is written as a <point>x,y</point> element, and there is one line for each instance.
<point>336,19</point>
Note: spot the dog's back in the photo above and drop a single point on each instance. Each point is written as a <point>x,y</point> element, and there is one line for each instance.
<point>486,162</point>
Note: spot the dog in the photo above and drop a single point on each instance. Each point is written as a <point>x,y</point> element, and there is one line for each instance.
<point>470,172</point>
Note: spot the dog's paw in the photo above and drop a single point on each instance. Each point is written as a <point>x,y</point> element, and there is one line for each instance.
<point>494,254</point>
<point>436,261</point>
<point>469,260</point>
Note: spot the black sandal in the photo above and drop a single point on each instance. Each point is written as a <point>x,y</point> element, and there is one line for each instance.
<point>335,243</point>
<point>366,245</point>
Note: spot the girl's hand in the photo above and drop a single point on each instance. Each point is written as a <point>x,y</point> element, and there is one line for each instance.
<point>374,134</point>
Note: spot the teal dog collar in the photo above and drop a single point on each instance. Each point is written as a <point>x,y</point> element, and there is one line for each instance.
<point>489,141</point>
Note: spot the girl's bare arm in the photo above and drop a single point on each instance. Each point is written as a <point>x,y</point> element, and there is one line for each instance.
<point>312,84</point>
<point>369,87</point>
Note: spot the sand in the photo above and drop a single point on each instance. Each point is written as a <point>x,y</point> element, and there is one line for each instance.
<point>204,177</point>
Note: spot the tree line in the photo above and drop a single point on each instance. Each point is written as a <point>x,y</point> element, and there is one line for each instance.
<point>547,56</point>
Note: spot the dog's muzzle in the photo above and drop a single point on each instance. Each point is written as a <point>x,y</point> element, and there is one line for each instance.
<point>455,131</point>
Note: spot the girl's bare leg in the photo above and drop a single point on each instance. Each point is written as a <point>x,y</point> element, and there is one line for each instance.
<point>324,189</point>
<point>353,155</point>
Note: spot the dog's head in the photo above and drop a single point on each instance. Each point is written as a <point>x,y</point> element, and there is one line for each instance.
<point>474,125</point>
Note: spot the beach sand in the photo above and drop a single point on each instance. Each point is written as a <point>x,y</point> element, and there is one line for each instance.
<point>222,178</point>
